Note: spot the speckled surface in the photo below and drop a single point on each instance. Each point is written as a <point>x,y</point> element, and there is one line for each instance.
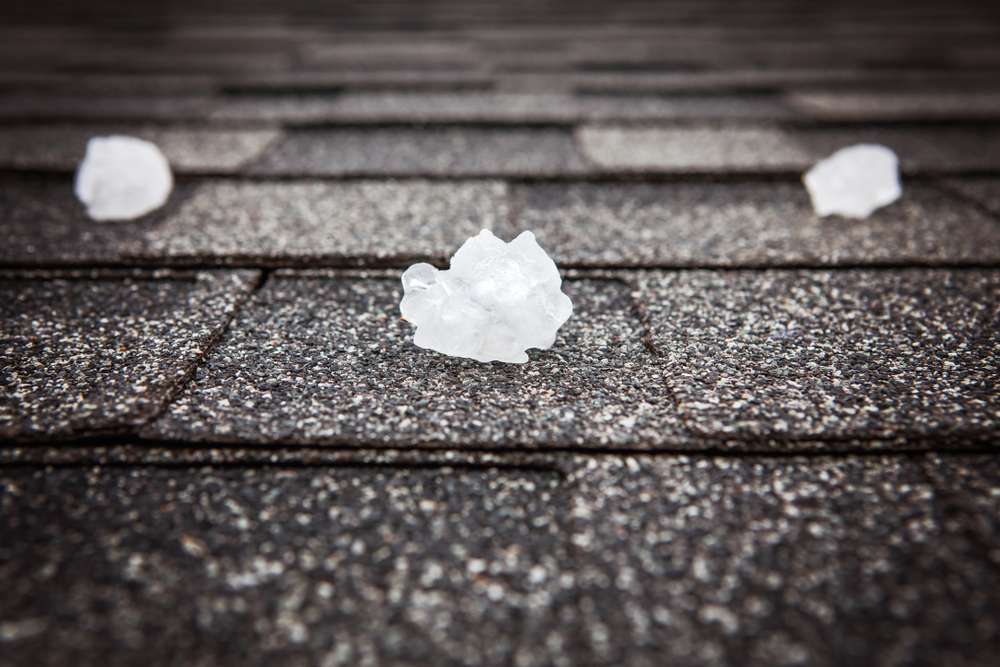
<point>748,79</point>
<point>190,150</point>
<point>334,566</point>
<point>373,221</point>
<point>42,222</point>
<point>835,354</point>
<point>715,149</point>
<point>367,108</point>
<point>326,82</point>
<point>970,486</point>
<point>104,107</point>
<point>101,352</point>
<point>428,152</point>
<point>984,191</point>
<point>317,359</point>
<point>696,149</point>
<point>762,224</point>
<point>876,106</point>
<point>719,463</point>
<point>941,149</point>
<point>819,561</point>
<point>624,560</point>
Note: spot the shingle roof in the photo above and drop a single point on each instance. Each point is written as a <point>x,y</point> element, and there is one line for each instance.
<point>762,438</point>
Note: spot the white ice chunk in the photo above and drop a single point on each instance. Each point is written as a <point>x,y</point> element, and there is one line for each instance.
<point>497,300</point>
<point>854,181</point>
<point>122,178</point>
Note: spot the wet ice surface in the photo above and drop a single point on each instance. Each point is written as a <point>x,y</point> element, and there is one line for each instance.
<point>496,300</point>
<point>854,182</point>
<point>122,178</point>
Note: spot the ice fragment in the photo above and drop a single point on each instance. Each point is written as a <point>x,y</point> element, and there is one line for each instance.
<point>497,300</point>
<point>854,181</point>
<point>122,178</point>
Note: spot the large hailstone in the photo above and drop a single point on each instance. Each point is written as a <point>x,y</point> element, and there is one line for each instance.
<point>854,181</point>
<point>497,300</point>
<point>122,178</point>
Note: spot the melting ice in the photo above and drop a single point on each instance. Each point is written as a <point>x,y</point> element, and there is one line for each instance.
<point>497,300</point>
<point>854,181</point>
<point>122,178</point>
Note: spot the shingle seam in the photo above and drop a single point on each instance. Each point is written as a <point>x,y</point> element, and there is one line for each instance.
<point>127,451</point>
<point>211,342</point>
<point>944,186</point>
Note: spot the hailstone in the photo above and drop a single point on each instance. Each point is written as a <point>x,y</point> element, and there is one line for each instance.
<point>854,181</point>
<point>122,178</point>
<point>497,300</point>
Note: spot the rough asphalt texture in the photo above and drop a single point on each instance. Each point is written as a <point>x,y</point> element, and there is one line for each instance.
<point>281,375</point>
<point>763,438</point>
<point>101,352</point>
<point>612,559</point>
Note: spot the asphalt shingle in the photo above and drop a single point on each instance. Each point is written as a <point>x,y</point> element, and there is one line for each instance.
<point>730,225</point>
<point>600,560</point>
<point>829,354</point>
<point>60,148</point>
<point>746,79</point>
<point>359,222</point>
<point>692,149</point>
<point>984,191</point>
<point>312,566</point>
<point>485,108</point>
<point>431,152</point>
<point>758,561</point>
<point>970,485</point>
<point>392,50</point>
<point>316,359</point>
<point>943,149</point>
<point>104,107</point>
<point>328,81</point>
<point>767,149</point>
<point>871,106</point>
<point>110,83</point>
<point>93,352</point>
<point>43,223</point>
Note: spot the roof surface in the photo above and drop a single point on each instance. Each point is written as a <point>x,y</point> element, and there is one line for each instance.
<point>763,438</point>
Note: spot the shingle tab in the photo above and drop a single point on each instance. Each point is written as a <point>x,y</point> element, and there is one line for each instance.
<point>96,353</point>
<point>764,149</point>
<point>393,50</point>
<point>316,359</point>
<point>432,152</point>
<point>872,106</point>
<point>104,108</point>
<point>328,81</point>
<point>829,354</point>
<point>768,561</point>
<point>109,84</point>
<point>359,222</point>
<point>361,562</point>
<point>743,79</point>
<point>942,149</point>
<point>693,149</point>
<point>730,225</point>
<point>985,191</point>
<point>42,222</point>
<point>372,108</point>
<point>601,560</point>
<point>60,148</point>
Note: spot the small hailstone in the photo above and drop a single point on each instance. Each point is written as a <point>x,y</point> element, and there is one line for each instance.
<point>122,178</point>
<point>854,181</point>
<point>497,300</point>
